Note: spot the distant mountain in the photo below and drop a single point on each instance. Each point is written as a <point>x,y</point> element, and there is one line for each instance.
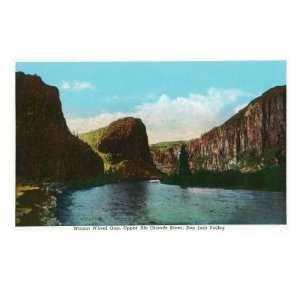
<point>45,148</point>
<point>252,139</point>
<point>123,145</point>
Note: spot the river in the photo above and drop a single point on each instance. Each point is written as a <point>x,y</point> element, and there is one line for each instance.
<point>157,203</point>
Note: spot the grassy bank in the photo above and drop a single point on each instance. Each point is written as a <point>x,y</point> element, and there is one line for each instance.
<point>22,188</point>
<point>164,146</point>
<point>269,179</point>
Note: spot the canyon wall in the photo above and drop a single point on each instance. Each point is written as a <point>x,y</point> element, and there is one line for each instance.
<point>45,148</point>
<point>252,139</point>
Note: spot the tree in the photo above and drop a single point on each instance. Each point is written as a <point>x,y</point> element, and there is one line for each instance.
<point>183,162</point>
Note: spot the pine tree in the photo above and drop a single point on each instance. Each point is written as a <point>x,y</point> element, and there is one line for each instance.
<point>183,162</point>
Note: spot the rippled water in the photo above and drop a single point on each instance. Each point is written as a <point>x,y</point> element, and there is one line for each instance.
<point>156,203</point>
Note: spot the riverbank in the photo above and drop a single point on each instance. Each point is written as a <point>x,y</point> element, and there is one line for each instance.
<point>23,188</point>
<point>35,201</point>
<point>268,179</point>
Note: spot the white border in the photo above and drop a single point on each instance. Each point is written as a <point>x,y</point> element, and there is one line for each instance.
<point>240,263</point>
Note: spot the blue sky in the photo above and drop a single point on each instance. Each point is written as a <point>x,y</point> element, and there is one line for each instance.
<point>176,100</point>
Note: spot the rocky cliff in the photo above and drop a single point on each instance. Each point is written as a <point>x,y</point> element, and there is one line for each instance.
<point>126,139</point>
<point>124,146</point>
<point>166,156</point>
<point>45,148</point>
<point>253,138</point>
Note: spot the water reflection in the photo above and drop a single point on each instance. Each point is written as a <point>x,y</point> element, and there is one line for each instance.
<point>156,203</point>
<point>128,202</point>
<point>266,207</point>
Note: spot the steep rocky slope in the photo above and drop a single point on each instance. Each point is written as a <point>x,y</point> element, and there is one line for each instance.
<point>45,148</point>
<point>126,139</point>
<point>92,137</point>
<point>123,145</point>
<point>166,156</point>
<point>252,139</point>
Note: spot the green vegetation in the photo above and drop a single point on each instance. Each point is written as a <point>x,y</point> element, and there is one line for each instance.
<point>270,179</point>
<point>166,145</point>
<point>202,159</point>
<point>21,189</point>
<point>34,205</point>
<point>184,169</point>
<point>113,172</point>
<point>270,155</point>
<point>92,137</point>
<point>112,169</point>
<point>251,160</point>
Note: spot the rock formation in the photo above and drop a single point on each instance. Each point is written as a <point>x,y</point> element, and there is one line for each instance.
<point>166,159</point>
<point>252,139</point>
<point>45,148</point>
<point>124,144</point>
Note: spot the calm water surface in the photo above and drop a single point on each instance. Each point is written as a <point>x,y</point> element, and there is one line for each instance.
<point>156,203</point>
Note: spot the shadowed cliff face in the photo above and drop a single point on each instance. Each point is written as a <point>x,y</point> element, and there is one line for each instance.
<point>45,149</point>
<point>252,139</point>
<point>125,145</point>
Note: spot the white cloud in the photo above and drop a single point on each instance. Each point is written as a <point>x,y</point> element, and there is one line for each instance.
<point>170,118</point>
<point>66,85</point>
<point>229,94</point>
<point>76,86</point>
<point>86,124</point>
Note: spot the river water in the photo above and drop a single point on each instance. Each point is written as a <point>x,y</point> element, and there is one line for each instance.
<point>157,203</point>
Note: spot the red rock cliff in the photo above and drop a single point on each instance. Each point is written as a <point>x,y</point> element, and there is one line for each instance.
<point>251,139</point>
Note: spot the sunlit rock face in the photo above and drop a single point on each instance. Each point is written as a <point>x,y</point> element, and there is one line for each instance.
<point>252,139</point>
<point>45,148</point>
<point>126,139</point>
<point>166,160</point>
